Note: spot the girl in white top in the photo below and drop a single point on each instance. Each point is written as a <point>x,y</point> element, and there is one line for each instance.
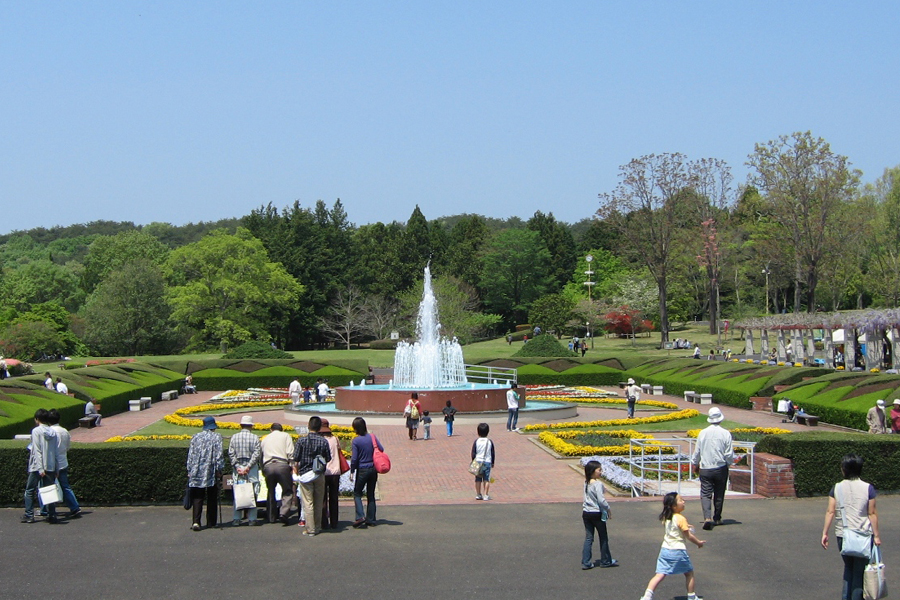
<point>483,452</point>
<point>673,556</point>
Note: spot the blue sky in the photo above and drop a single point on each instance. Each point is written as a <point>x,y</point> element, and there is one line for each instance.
<point>190,111</point>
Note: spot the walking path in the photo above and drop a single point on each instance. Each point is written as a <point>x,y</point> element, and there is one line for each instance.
<point>434,471</point>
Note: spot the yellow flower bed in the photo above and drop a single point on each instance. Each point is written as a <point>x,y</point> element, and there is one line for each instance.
<point>556,441</point>
<point>687,413</point>
<point>178,418</point>
<point>581,400</point>
<point>762,430</point>
<point>144,438</point>
<point>839,368</point>
<point>874,370</point>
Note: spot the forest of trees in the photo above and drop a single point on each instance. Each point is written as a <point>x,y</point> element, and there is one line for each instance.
<point>676,240</point>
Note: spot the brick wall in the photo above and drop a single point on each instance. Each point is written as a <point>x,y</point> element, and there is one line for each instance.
<point>761,403</point>
<point>774,477</point>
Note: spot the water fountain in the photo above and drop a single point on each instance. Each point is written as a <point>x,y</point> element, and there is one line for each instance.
<point>433,367</point>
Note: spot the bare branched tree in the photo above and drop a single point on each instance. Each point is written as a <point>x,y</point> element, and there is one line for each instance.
<point>346,316</point>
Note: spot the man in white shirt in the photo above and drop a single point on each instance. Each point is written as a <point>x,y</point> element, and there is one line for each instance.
<point>632,395</point>
<point>294,390</point>
<point>512,405</point>
<point>91,411</point>
<point>713,454</point>
<point>62,462</point>
<point>61,388</point>
<point>322,390</point>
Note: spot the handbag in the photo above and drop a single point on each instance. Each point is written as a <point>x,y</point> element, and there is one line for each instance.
<point>345,466</point>
<point>244,495</point>
<point>855,543</point>
<point>476,467</point>
<point>381,460</point>
<point>874,581</point>
<point>50,494</point>
<point>187,497</point>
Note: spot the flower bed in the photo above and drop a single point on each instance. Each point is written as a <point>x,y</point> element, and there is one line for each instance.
<point>558,442</point>
<point>178,418</point>
<point>686,413</point>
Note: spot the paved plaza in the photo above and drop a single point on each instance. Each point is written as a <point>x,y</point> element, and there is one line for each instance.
<point>434,540</point>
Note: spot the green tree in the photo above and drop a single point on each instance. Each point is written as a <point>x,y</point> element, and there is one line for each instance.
<point>467,238</point>
<point>416,248</point>
<point>40,281</point>
<point>128,314</point>
<point>806,186</point>
<point>110,253</point>
<point>224,288</point>
<point>30,340</point>
<point>552,312</point>
<point>559,242</point>
<point>460,313</point>
<point>515,267</point>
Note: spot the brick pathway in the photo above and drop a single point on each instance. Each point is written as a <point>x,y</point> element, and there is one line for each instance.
<point>435,471</point>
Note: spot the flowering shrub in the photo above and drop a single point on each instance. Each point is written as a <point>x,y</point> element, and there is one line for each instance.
<point>675,416</point>
<point>108,361</point>
<point>839,368</point>
<point>749,360</point>
<point>874,370</point>
<point>557,441</point>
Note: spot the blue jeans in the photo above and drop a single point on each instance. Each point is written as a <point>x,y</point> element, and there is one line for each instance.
<point>366,477</point>
<point>68,495</point>
<point>31,492</point>
<point>593,521</point>
<point>513,419</point>
<point>631,408</point>
<point>449,428</point>
<point>854,568</point>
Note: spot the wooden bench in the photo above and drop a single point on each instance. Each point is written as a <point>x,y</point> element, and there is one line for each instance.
<point>139,405</point>
<point>170,395</point>
<point>807,420</point>
<point>88,422</point>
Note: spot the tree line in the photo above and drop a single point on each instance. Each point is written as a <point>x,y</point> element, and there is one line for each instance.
<point>675,240</point>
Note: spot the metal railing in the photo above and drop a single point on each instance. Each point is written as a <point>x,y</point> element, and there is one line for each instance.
<point>487,374</point>
<point>675,464</point>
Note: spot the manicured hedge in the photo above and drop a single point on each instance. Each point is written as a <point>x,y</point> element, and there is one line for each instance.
<point>817,458</point>
<point>580,375</point>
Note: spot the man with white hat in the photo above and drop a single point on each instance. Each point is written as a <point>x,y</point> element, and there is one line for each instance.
<point>632,395</point>
<point>713,453</point>
<point>875,418</point>
<point>245,453</point>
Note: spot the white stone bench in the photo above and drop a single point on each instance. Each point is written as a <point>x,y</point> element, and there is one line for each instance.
<point>646,388</point>
<point>689,396</point>
<point>657,390</point>
<point>170,395</point>
<point>705,398</point>
<point>139,405</point>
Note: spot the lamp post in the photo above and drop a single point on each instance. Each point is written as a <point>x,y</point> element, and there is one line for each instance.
<point>590,335</point>
<point>766,273</point>
<point>589,283</point>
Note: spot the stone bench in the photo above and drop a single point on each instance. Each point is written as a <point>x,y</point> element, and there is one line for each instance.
<point>139,405</point>
<point>705,399</point>
<point>809,420</point>
<point>170,395</point>
<point>647,388</point>
<point>88,422</point>
<point>657,390</point>
<point>691,396</point>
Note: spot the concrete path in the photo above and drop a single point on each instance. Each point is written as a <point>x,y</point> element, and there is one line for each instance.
<point>766,549</point>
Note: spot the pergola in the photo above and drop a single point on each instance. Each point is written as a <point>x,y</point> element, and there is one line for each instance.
<point>794,335</point>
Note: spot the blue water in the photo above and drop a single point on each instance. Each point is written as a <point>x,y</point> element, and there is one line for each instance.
<point>532,406</point>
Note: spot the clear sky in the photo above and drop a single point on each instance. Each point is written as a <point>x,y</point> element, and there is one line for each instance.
<point>195,111</point>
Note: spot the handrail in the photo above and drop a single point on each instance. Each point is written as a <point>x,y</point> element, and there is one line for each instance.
<point>489,374</point>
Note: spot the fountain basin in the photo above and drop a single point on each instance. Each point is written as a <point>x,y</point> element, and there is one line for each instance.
<point>477,397</point>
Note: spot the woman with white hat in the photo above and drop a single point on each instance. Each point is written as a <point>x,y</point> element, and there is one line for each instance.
<point>632,395</point>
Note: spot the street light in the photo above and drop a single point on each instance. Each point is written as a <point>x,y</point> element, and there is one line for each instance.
<point>589,273</point>
<point>766,273</point>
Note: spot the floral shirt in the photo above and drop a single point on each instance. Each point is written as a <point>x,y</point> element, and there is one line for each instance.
<point>204,459</point>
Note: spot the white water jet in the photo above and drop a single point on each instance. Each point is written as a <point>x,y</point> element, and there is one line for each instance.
<point>432,361</point>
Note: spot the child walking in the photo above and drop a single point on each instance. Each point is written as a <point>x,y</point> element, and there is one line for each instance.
<point>483,452</point>
<point>426,421</point>
<point>595,513</point>
<point>673,557</point>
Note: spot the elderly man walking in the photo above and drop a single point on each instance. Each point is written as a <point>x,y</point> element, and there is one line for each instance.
<point>307,451</point>
<point>875,418</point>
<point>632,395</point>
<point>204,467</point>
<point>713,454</point>
<point>245,453</point>
<point>277,448</point>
